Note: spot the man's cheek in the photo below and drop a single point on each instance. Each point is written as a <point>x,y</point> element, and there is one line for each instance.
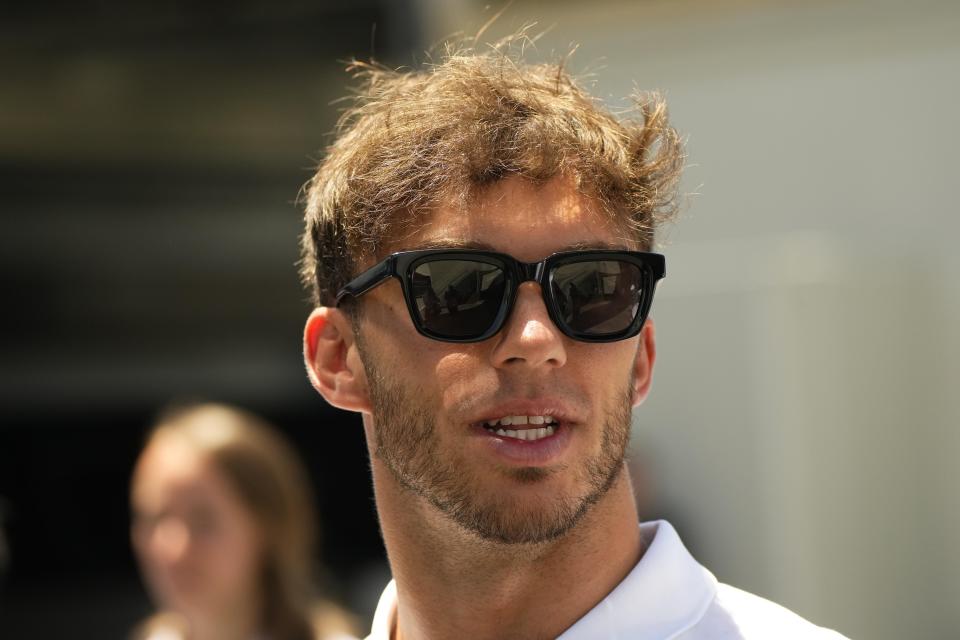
<point>462,380</point>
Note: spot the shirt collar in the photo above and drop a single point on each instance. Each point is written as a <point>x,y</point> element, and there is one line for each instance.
<point>667,592</point>
<point>385,617</point>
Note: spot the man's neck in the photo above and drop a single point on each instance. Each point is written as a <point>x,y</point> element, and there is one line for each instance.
<point>449,584</point>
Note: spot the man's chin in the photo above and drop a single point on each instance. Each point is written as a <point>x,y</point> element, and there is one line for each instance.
<point>530,475</point>
<point>531,517</point>
<point>520,529</point>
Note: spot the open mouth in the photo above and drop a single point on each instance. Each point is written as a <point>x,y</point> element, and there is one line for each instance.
<point>528,428</point>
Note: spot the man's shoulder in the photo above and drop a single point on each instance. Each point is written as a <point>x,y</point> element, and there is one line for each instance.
<point>737,614</point>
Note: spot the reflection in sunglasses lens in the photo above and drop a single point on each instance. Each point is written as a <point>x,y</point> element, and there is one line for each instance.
<point>457,298</point>
<point>597,297</point>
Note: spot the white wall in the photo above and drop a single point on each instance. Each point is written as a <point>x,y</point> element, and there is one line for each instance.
<point>801,425</point>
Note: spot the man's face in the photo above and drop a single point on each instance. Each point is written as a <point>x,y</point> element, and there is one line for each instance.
<point>433,402</point>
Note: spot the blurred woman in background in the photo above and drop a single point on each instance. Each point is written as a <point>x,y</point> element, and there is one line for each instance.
<point>223,528</point>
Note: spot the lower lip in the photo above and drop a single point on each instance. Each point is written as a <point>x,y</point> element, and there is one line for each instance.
<point>529,453</point>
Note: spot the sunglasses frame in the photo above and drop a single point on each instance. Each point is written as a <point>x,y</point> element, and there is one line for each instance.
<point>401,265</point>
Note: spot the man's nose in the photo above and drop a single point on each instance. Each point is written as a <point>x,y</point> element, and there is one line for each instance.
<point>529,337</point>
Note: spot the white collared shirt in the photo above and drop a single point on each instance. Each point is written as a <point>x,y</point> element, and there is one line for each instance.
<point>667,596</point>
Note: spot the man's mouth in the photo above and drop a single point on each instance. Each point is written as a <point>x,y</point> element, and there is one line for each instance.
<point>529,428</point>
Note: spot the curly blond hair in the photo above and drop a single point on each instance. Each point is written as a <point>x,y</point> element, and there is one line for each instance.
<point>413,140</point>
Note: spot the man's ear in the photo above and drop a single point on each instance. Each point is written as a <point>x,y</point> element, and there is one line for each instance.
<point>643,364</point>
<point>333,360</point>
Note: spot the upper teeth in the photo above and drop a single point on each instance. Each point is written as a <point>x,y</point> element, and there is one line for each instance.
<point>523,434</point>
<point>506,421</point>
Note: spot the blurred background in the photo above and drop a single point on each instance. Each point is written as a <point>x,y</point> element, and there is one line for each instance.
<point>802,432</point>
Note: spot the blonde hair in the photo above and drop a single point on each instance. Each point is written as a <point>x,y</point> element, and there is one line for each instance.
<point>411,140</point>
<point>273,485</point>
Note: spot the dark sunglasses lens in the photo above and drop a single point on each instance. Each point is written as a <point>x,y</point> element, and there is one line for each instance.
<point>457,299</point>
<point>597,297</point>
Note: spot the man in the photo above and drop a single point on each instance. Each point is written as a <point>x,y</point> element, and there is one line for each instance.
<point>477,242</point>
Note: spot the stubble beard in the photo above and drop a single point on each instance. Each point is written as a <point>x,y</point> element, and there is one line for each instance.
<point>406,442</point>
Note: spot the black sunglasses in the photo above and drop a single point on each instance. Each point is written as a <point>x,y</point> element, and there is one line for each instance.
<point>464,295</point>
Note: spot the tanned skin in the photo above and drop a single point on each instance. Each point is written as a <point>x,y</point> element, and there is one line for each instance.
<point>455,579</point>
